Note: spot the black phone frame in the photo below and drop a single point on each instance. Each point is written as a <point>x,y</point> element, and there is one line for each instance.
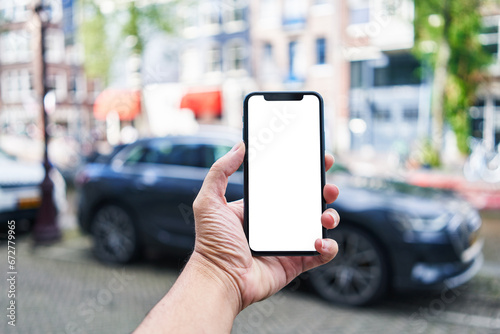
<point>281,96</point>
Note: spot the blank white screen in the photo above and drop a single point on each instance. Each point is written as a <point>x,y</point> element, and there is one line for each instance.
<point>284,174</point>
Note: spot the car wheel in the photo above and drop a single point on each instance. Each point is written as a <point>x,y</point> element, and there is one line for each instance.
<point>114,235</point>
<point>358,274</point>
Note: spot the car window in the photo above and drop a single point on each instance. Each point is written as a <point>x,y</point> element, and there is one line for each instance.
<point>175,154</point>
<point>135,155</point>
<point>214,152</point>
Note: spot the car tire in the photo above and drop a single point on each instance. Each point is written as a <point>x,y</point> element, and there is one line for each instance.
<point>357,275</point>
<point>114,235</point>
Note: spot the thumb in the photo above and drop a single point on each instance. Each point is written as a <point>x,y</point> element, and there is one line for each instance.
<point>216,180</point>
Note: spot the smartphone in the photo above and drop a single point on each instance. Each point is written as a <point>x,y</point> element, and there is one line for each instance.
<point>284,172</point>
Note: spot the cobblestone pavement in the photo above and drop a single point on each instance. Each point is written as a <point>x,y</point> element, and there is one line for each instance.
<point>63,289</point>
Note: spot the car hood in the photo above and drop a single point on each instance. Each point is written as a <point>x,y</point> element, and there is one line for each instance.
<point>385,195</point>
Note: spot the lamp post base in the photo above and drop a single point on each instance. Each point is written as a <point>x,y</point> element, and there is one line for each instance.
<point>46,229</point>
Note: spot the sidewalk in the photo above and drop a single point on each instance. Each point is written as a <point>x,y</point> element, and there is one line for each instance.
<point>63,289</point>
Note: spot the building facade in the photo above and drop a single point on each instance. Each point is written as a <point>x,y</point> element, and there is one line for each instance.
<point>20,115</point>
<point>485,115</point>
<point>296,45</point>
<point>208,61</point>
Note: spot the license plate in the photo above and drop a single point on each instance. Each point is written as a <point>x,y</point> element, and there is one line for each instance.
<point>29,203</point>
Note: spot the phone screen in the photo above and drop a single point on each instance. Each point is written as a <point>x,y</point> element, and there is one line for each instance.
<point>284,171</point>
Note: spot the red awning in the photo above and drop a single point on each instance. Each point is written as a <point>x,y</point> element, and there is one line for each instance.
<point>126,102</point>
<point>203,104</point>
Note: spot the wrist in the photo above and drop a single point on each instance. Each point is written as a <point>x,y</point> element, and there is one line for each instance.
<point>218,279</point>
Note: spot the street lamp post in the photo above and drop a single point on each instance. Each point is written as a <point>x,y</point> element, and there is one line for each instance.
<point>45,229</point>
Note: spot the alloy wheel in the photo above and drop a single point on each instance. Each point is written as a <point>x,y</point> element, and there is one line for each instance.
<point>114,234</point>
<point>357,275</point>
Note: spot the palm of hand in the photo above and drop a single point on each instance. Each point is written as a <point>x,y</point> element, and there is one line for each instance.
<point>256,277</point>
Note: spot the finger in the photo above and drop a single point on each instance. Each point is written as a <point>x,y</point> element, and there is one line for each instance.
<point>330,218</point>
<point>330,193</point>
<point>216,180</point>
<point>329,161</point>
<point>327,249</point>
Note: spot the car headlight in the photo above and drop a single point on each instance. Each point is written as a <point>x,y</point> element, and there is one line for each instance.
<point>421,224</point>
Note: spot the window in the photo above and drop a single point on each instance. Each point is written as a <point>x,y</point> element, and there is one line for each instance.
<point>359,11</point>
<point>381,115</point>
<point>294,12</point>
<point>236,55</point>
<point>210,13</point>
<point>76,86</point>
<point>57,82</point>
<point>356,74</point>
<point>214,59</point>
<point>54,43</point>
<point>234,11</point>
<point>268,71</point>
<point>176,154</point>
<point>267,57</point>
<point>268,52</point>
<point>321,51</point>
<point>16,85</point>
<point>292,52</point>
<point>15,46</point>
<point>214,152</point>
<point>400,70</point>
<point>410,114</point>
<point>135,155</point>
<point>489,36</point>
<point>55,9</point>
<point>14,10</point>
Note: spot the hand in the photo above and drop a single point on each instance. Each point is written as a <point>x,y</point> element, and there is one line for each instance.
<point>221,248</point>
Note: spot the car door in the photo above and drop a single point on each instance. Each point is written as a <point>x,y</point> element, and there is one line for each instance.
<point>175,173</point>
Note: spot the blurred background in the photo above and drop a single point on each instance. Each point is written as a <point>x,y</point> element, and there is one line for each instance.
<point>125,104</point>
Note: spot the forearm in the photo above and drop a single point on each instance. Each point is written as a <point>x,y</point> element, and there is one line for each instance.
<point>200,301</point>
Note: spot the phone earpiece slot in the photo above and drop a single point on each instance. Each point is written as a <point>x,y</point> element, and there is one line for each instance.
<point>284,96</point>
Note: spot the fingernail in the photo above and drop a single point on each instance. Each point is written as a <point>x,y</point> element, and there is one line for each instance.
<point>336,218</point>
<point>236,147</point>
<point>323,244</point>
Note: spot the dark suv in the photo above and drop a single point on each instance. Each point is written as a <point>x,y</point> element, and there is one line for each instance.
<point>391,235</point>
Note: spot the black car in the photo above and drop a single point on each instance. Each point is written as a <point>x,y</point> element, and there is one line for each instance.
<point>391,236</point>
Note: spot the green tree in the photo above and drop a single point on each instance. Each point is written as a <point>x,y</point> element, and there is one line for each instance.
<point>97,53</point>
<point>446,40</point>
<point>134,22</point>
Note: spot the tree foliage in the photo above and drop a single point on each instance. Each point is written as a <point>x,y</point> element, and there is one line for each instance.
<point>134,22</point>
<point>92,34</point>
<point>456,25</point>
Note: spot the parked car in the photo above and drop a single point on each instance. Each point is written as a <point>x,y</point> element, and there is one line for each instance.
<point>20,195</point>
<point>391,236</point>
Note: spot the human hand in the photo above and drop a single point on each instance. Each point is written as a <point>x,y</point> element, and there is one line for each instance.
<point>221,248</point>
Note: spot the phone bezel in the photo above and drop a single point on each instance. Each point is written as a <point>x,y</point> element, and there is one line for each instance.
<point>281,96</point>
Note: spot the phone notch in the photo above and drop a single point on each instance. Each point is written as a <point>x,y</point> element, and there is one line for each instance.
<point>283,96</point>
